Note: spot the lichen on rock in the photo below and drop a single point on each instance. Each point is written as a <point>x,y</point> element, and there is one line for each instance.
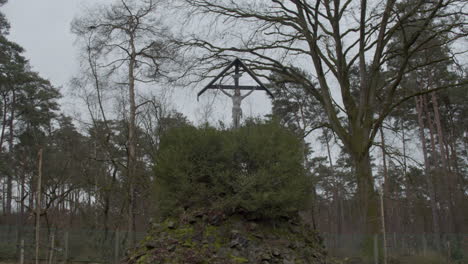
<point>229,239</point>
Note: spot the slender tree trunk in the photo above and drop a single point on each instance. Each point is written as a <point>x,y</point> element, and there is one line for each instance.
<point>3,187</point>
<point>2,137</point>
<point>384,232</point>
<point>453,155</point>
<point>10,149</point>
<point>336,192</point>
<point>450,177</point>
<point>327,139</point>
<point>131,145</point>
<point>38,204</point>
<point>315,208</point>
<point>425,109</point>
<point>386,185</point>
<point>21,211</point>
<point>447,186</point>
<point>384,163</point>
<point>342,211</point>
<point>4,121</point>
<point>403,139</point>
<point>430,186</point>
<point>440,134</point>
<point>409,190</point>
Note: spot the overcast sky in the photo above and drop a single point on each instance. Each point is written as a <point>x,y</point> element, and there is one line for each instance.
<point>43,29</point>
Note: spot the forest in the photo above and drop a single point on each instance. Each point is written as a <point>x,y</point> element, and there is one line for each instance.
<point>367,133</point>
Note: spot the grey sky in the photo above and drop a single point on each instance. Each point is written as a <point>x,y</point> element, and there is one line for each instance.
<point>43,29</point>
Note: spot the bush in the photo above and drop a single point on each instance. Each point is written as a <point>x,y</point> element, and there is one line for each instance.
<point>256,169</point>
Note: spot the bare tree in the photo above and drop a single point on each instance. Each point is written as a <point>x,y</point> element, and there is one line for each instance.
<point>129,37</point>
<point>327,39</point>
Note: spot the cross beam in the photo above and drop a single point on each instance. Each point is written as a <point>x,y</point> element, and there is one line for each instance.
<point>237,63</point>
<point>232,87</point>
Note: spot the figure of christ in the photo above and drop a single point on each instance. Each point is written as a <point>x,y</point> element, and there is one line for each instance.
<point>237,98</point>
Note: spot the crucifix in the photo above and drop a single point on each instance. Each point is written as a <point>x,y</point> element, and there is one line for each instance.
<point>236,97</point>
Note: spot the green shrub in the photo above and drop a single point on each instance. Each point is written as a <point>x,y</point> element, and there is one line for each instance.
<point>256,169</point>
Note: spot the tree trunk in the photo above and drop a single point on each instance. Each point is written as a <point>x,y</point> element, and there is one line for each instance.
<point>38,205</point>
<point>336,192</point>
<point>440,135</point>
<point>368,200</point>
<point>410,192</point>
<point>386,184</point>
<point>131,146</point>
<point>2,136</point>
<point>430,186</point>
<point>10,149</point>
<point>425,109</point>
<point>384,163</point>
<point>21,211</point>
<point>4,121</point>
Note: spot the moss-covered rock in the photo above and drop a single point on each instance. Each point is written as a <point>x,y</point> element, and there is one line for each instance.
<point>213,237</point>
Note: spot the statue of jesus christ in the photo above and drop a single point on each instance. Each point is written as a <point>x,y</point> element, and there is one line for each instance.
<point>237,98</point>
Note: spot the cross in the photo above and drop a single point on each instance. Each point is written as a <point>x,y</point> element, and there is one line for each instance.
<point>237,97</point>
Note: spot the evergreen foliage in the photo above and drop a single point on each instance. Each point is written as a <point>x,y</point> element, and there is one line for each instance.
<point>257,170</point>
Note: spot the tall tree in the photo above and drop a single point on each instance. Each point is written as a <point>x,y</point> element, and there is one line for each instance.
<point>326,39</point>
<point>13,75</point>
<point>129,36</point>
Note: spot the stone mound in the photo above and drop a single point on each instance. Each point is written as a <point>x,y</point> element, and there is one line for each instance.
<point>215,238</point>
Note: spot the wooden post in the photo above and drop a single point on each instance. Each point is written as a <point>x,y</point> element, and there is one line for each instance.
<point>22,252</point>
<point>424,244</point>
<point>38,204</point>
<point>384,238</point>
<point>17,237</point>
<point>116,249</point>
<point>66,247</point>
<point>449,254</point>
<point>52,248</point>
<point>376,249</point>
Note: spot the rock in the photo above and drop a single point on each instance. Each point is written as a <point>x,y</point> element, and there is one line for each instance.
<point>171,248</point>
<point>233,243</point>
<point>199,214</point>
<point>216,219</point>
<point>251,226</point>
<point>150,246</point>
<point>171,225</point>
<point>295,229</point>
<point>266,256</point>
<point>198,237</point>
<point>258,235</point>
<point>237,240</point>
<point>219,239</point>
<point>292,245</point>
